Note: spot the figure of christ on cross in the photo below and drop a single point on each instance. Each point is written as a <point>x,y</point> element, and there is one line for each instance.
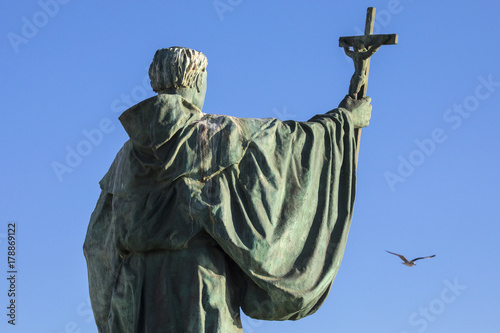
<point>360,53</point>
<point>363,47</point>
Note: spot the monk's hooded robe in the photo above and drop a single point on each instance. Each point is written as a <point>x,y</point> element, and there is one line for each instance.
<point>201,215</point>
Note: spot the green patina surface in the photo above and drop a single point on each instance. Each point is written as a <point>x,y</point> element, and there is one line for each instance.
<point>201,215</point>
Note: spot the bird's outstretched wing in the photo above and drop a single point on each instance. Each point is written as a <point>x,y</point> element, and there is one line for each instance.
<point>424,257</point>
<point>399,255</point>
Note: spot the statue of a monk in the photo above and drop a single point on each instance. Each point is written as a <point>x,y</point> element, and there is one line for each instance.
<point>201,215</point>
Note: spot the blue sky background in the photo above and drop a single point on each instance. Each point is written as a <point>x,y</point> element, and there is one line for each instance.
<point>428,179</point>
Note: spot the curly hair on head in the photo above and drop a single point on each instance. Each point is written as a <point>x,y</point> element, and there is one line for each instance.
<point>176,67</point>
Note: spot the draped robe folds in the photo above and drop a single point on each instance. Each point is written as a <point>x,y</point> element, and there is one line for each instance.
<point>201,215</point>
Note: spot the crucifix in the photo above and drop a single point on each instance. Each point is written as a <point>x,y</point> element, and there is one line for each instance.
<point>363,47</point>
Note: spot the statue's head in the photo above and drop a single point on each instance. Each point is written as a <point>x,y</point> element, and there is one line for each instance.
<point>179,70</point>
<point>359,44</point>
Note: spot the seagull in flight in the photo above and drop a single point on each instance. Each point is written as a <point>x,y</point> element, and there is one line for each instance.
<point>407,262</point>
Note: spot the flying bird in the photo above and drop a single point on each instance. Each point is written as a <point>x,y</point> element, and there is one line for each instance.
<point>410,263</point>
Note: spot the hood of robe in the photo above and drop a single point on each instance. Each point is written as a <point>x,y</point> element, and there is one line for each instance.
<point>159,129</point>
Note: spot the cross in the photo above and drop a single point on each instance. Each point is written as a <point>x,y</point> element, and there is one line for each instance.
<point>363,47</point>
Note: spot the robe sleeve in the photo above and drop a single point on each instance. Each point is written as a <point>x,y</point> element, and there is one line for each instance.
<point>283,209</point>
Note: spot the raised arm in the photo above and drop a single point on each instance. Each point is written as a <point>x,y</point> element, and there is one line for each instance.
<point>348,51</point>
<point>375,46</point>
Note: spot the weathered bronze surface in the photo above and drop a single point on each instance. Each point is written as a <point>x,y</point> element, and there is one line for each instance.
<point>201,215</point>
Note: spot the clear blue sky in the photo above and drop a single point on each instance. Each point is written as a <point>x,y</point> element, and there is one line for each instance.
<point>428,179</point>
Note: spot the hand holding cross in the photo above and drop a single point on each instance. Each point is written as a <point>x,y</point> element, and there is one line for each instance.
<point>363,47</point>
